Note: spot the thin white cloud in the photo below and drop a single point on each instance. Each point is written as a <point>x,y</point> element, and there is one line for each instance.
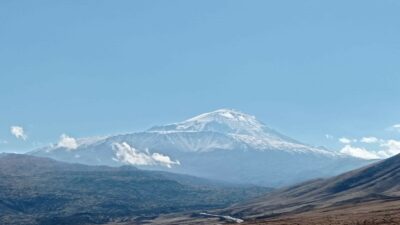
<point>392,147</point>
<point>67,142</point>
<point>18,132</point>
<point>3,141</point>
<point>129,155</point>
<point>395,127</point>
<point>163,159</point>
<point>388,149</point>
<point>359,152</point>
<point>344,140</point>
<point>369,140</point>
<point>328,136</point>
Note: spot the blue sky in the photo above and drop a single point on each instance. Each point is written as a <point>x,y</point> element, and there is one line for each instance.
<point>305,68</point>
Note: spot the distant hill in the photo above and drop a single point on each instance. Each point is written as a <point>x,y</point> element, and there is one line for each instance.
<point>36,190</point>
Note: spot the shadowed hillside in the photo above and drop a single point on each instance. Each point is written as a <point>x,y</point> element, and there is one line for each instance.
<point>43,191</point>
<point>370,195</point>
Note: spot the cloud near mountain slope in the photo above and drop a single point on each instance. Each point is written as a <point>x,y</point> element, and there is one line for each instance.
<point>126,154</point>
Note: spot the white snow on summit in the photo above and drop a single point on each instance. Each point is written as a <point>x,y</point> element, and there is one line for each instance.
<point>241,127</point>
<point>222,120</point>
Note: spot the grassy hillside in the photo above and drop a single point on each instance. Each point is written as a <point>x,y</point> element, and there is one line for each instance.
<point>43,191</point>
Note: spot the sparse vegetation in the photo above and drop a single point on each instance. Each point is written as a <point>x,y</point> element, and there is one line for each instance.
<point>43,191</point>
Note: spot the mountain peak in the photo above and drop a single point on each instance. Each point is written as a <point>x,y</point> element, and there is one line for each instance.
<point>221,120</point>
<point>223,144</point>
<point>228,114</point>
<point>241,127</point>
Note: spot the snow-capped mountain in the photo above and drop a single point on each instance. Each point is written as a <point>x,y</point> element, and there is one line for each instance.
<point>224,144</point>
<point>243,130</point>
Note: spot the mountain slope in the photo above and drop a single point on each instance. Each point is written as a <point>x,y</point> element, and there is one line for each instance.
<point>242,128</point>
<point>43,191</point>
<point>225,145</point>
<point>374,186</point>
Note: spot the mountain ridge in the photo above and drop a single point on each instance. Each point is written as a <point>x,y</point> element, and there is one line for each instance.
<point>223,144</point>
<point>379,182</point>
<point>369,195</point>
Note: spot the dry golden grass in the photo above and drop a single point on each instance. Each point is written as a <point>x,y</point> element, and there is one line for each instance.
<point>372,213</point>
